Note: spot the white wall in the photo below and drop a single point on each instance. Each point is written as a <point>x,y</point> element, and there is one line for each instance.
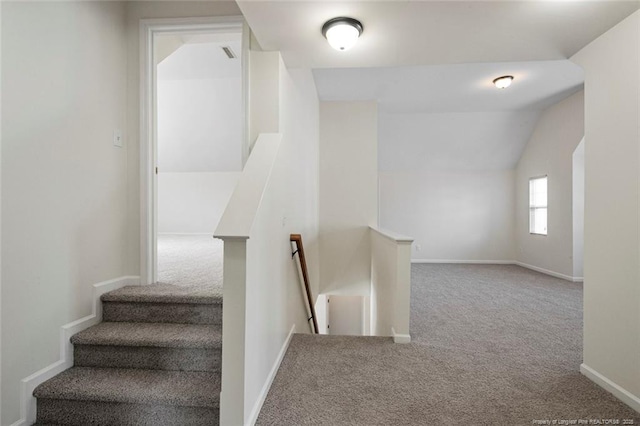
<point>264,96</point>
<point>348,195</point>
<point>193,203</point>
<point>346,315</point>
<point>200,125</point>
<point>64,184</point>
<point>454,141</point>
<point>277,303</point>
<point>612,211</point>
<point>261,277</point>
<point>464,216</point>
<point>136,10</point>
<point>200,110</point>
<point>550,152</point>
<point>199,92</point>
<point>274,300</point>
<point>446,179</point>
<point>578,210</point>
<point>0,220</point>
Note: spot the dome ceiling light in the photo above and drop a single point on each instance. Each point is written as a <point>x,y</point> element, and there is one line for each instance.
<point>503,82</point>
<point>342,33</point>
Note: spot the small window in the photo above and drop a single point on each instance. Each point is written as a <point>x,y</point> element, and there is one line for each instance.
<point>538,205</point>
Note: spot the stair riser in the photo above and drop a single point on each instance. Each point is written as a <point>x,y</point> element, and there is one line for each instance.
<point>179,359</point>
<point>82,413</point>
<point>148,358</point>
<point>180,313</point>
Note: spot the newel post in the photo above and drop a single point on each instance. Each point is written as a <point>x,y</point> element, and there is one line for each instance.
<point>233,332</point>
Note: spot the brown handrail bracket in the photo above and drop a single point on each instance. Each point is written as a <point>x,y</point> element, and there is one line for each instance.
<point>297,239</point>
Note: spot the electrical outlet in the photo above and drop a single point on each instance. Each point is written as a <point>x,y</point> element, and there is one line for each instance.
<point>418,247</point>
<point>117,138</point>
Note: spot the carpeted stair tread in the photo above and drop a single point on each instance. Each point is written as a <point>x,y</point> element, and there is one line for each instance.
<point>161,335</point>
<point>134,386</point>
<point>163,293</point>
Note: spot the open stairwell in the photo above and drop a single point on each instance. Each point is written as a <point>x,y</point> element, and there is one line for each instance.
<point>154,360</point>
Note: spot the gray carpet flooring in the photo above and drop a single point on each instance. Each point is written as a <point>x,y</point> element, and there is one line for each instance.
<point>492,345</point>
<point>193,261</point>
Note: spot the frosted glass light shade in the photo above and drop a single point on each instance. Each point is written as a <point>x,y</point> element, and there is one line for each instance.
<point>342,33</point>
<point>503,82</point>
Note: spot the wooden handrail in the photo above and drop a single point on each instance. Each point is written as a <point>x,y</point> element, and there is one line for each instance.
<point>297,238</point>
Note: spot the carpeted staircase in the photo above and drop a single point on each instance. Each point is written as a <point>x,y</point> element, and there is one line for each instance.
<point>155,360</point>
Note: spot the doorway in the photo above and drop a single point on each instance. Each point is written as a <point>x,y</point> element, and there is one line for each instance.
<point>192,144</point>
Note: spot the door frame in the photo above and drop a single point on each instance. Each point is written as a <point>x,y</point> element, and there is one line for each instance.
<point>149,29</point>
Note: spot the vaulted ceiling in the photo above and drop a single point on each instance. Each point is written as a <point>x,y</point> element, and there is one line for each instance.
<point>401,32</point>
<point>430,64</point>
<point>452,88</point>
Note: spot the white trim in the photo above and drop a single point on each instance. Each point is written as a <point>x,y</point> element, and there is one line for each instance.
<point>503,262</point>
<point>272,375</point>
<point>400,338</point>
<point>148,156</point>
<point>488,262</point>
<point>28,384</point>
<point>548,272</point>
<point>241,210</point>
<point>393,236</point>
<point>616,390</point>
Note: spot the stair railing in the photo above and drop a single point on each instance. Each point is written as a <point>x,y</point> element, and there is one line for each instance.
<point>297,239</point>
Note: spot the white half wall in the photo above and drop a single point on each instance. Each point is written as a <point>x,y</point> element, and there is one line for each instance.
<point>550,152</point>
<point>289,205</point>
<point>193,203</point>
<point>612,210</point>
<point>390,299</point>
<point>348,195</point>
<point>451,215</point>
<point>64,184</point>
<point>261,277</point>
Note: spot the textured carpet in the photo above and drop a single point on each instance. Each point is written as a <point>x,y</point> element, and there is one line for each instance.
<point>193,261</point>
<point>164,293</point>
<point>155,361</point>
<point>492,345</point>
<point>184,388</point>
<point>157,335</point>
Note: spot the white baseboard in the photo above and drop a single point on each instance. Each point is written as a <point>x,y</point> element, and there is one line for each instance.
<point>272,375</point>
<point>503,262</point>
<point>548,272</point>
<point>28,384</point>
<point>400,338</point>
<point>616,390</point>
<point>478,262</point>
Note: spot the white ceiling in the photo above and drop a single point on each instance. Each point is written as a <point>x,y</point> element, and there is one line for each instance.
<point>452,88</point>
<point>202,57</point>
<point>430,66</point>
<point>404,32</point>
<point>452,117</point>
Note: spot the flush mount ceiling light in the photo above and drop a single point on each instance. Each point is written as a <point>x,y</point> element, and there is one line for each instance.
<point>503,82</point>
<point>342,33</point>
